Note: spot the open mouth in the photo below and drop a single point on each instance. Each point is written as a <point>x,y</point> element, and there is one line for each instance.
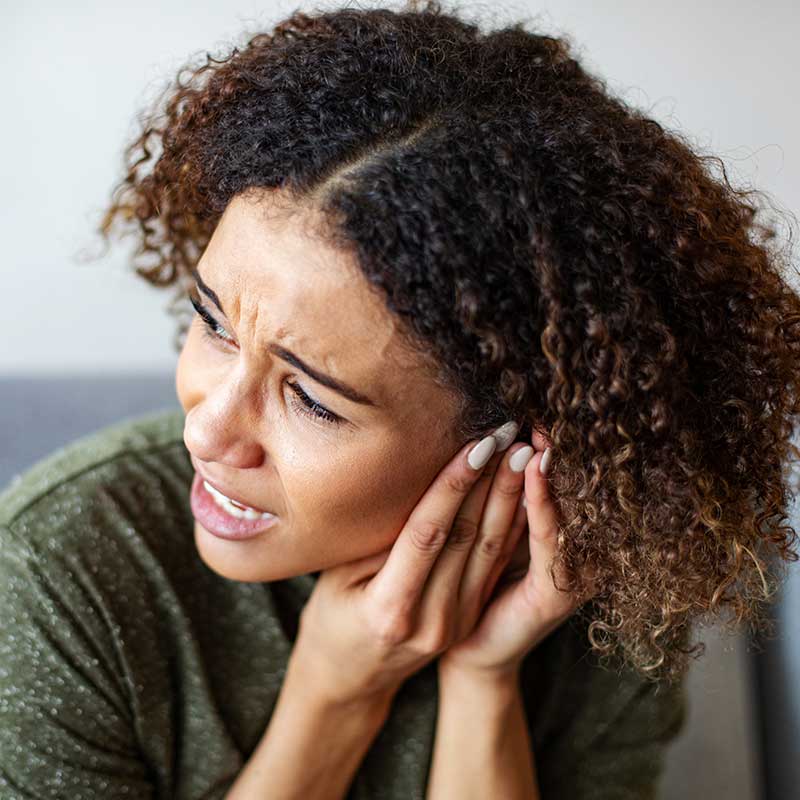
<point>233,508</point>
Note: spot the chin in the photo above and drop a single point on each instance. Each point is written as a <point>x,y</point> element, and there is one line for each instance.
<point>235,560</point>
<point>239,561</point>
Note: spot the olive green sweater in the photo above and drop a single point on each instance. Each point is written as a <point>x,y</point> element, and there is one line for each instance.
<point>129,669</point>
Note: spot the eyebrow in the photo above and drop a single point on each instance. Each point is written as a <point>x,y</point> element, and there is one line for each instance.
<point>290,358</point>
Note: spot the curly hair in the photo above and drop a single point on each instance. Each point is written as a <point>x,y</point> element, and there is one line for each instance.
<point>560,257</point>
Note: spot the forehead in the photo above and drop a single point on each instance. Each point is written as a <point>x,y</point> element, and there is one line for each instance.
<point>272,272</point>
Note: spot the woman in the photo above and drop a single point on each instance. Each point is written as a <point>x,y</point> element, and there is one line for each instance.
<point>407,243</point>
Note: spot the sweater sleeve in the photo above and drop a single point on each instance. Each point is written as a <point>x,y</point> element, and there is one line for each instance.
<point>66,726</point>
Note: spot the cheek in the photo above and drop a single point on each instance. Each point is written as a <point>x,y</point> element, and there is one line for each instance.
<point>364,498</point>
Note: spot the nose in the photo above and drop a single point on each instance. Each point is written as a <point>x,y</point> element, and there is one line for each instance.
<point>223,427</point>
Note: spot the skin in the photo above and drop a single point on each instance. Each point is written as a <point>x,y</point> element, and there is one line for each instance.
<point>341,492</point>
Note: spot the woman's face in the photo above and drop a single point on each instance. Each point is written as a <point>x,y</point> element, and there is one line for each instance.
<point>341,491</point>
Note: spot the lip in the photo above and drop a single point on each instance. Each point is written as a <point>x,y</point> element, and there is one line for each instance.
<point>217,521</point>
<point>221,488</point>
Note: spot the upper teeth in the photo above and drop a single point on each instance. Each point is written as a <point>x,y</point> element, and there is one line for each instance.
<point>228,505</point>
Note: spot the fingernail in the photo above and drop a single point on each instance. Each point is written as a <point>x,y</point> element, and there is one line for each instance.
<point>520,459</point>
<point>544,464</point>
<point>482,452</point>
<point>524,501</point>
<point>505,435</point>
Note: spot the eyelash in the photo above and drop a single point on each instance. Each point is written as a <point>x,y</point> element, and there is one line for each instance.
<point>307,405</point>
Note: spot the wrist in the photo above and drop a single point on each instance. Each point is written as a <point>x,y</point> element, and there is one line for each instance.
<point>498,681</point>
<point>482,742</point>
<point>325,701</point>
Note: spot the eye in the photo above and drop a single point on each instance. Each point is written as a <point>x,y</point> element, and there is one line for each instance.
<point>211,329</point>
<point>307,406</point>
<point>311,407</point>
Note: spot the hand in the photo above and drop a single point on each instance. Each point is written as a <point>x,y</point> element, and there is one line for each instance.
<point>369,624</point>
<point>523,609</point>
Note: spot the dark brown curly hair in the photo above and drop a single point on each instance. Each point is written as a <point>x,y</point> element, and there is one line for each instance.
<point>561,258</point>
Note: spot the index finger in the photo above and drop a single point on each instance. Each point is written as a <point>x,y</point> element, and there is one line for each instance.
<point>422,538</point>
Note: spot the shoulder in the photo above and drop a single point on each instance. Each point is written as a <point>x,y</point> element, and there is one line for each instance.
<point>80,464</point>
<point>92,537</point>
<point>86,538</point>
<point>107,510</point>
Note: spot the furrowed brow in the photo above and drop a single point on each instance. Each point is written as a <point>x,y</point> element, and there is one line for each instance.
<point>289,357</point>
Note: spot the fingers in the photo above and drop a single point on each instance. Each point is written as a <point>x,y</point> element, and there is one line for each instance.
<point>482,524</point>
<point>403,576</point>
<point>521,555</point>
<point>543,543</point>
<point>509,568</point>
<point>497,533</point>
<point>541,512</point>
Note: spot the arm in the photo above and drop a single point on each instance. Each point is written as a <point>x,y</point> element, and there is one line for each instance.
<point>312,746</point>
<point>482,746</point>
<point>65,729</point>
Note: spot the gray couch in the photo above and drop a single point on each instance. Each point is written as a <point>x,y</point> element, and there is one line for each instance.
<point>742,737</point>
